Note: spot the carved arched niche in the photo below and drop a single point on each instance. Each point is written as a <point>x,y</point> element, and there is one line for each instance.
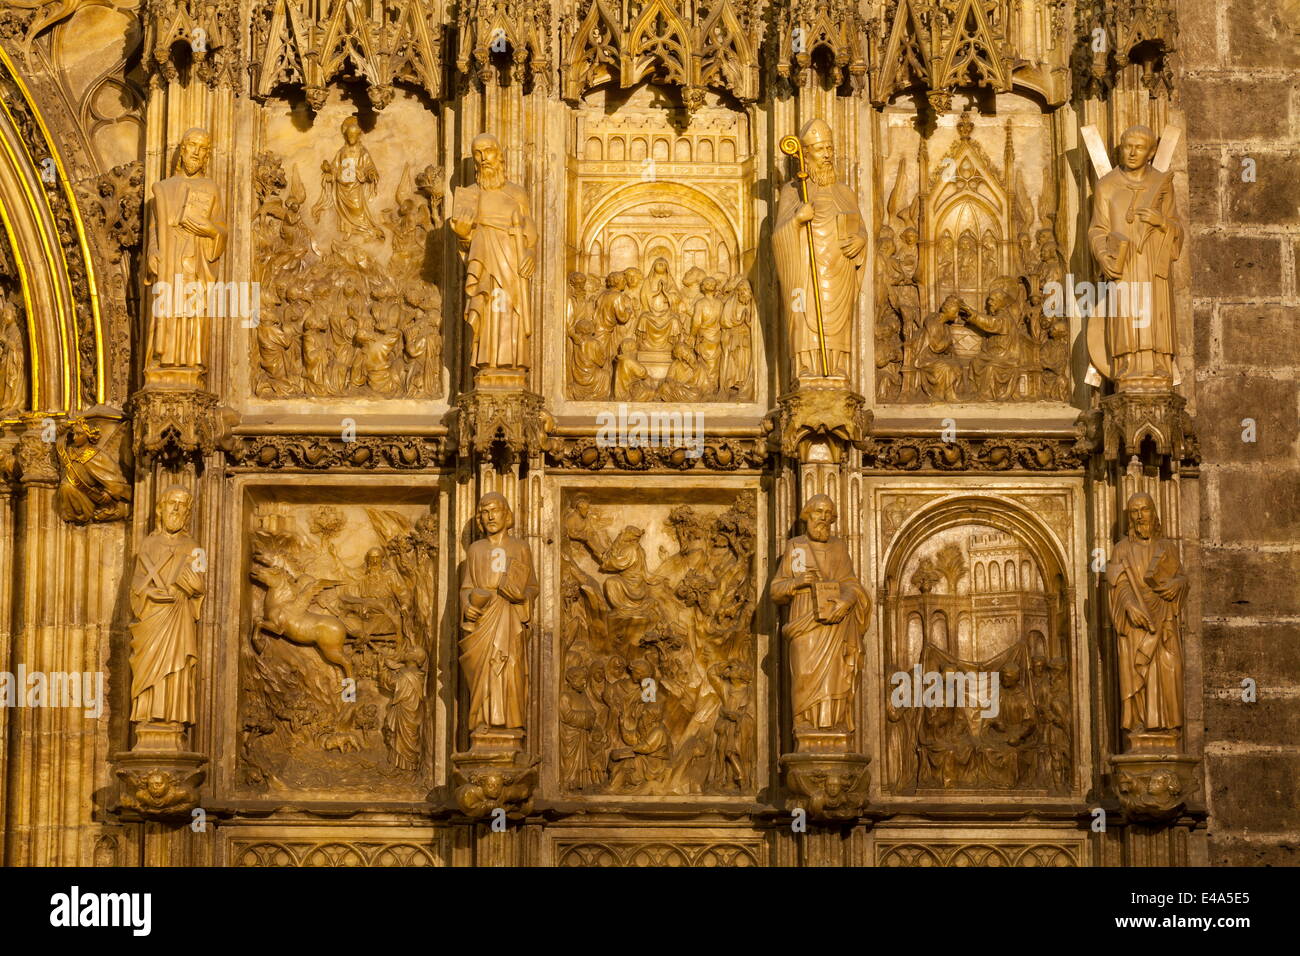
<point>662,300</point>
<point>977,585</point>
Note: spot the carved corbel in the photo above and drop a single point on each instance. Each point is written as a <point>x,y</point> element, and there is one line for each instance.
<point>515,418</point>
<point>1153,788</point>
<point>483,787</point>
<point>830,788</point>
<point>1130,418</point>
<point>172,424</point>
<point>834,417</point>
<point>162,788</point>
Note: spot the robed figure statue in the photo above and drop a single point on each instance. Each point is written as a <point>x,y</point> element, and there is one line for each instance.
<point>497,588</point>
<point>1136,235</point>
<point>498,238</point>
<point>832,221</point>
<point>167,588</point>
<point>1147,588</point>
<point>187,238</point>
<point>828,614</point>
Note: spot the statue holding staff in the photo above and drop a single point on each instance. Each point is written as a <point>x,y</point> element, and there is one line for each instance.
<point>820,242</point>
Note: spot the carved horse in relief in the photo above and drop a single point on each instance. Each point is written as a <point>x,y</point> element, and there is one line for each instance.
<point>285,614</point>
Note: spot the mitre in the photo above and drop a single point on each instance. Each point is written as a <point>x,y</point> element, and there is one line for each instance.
<point>815,131</point>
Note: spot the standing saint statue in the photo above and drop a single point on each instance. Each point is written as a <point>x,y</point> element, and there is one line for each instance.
<point>497,589</point>
<point>166,596</point>
<point>1136,235</point>
<point>1147,588</point>
<point>186,240</point>
<point>828,615</point>
<point>832,220</point>
<point>494,222</point>
<point>349,181</point>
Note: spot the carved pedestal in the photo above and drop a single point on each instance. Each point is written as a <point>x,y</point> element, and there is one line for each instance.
<point>1152,787</point>
<point>1131,417</point>
<point>500,409</point>
<point>830,787</point>
<point>175,423</point>
<point>811,415</point>
<point>159,777</point>
<point>491,780</point>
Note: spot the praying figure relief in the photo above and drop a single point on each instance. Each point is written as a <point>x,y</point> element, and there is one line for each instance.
<point>1147,589</point>
<point>1136,235</point>
<point>348,183</point>
<point>828,613</point>
<point>167,588</point>
<point>820,241</point>
<point>497,588</point>
<point>186,240</point>
<point>494,222</point>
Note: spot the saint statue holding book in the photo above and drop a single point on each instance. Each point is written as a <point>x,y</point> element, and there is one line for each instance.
<point>186,240</point>
<point>1147,588</point>
<point>497,590</point>
<point>828,615</point>
<point>1136,235</point>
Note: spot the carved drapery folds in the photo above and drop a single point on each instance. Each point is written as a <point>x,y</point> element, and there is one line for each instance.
<point>1112,34</point>
<point>518,30</point>
<point>716,48</point>
<point>207,34</point>
<point>312,44</point>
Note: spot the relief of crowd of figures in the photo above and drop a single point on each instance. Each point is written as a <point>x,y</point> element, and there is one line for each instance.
<point>342,320</point>
<point>658,678</point>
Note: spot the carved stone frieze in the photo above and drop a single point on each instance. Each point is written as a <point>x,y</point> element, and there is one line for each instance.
<point>327,452</point>
<point>1000,853</point>
<point>722,454</point>
<point>902,453</point>
<point>677,851</point>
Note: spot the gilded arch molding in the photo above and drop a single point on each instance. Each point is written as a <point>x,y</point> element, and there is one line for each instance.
<point>52,255</point>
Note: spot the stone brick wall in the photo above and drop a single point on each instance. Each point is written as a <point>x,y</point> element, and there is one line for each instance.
<point>1240,89</point>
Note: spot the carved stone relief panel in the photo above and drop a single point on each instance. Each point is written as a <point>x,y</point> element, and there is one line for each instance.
<point>346,255</point>
<point>658,681</point>
<point>980,676</point>
<point>972,232</point>
<point>337,649</point>
<point>660,301</point>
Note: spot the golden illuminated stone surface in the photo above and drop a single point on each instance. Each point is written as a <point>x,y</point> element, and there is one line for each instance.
<point>614,436</point>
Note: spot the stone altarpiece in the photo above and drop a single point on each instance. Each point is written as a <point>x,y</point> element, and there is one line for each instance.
<point>445,617</point>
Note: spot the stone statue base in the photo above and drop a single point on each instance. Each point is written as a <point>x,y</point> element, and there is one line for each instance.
<point>1153,787</point>
<point>501,410</point>
<point>822,741</point>
<point>175,377</point>
<point>490,780</point>
<point>1130,418</point>
<point>172,422</point>
<point>820,412</point>
<point>829,787</point>
<point>159,778</point>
